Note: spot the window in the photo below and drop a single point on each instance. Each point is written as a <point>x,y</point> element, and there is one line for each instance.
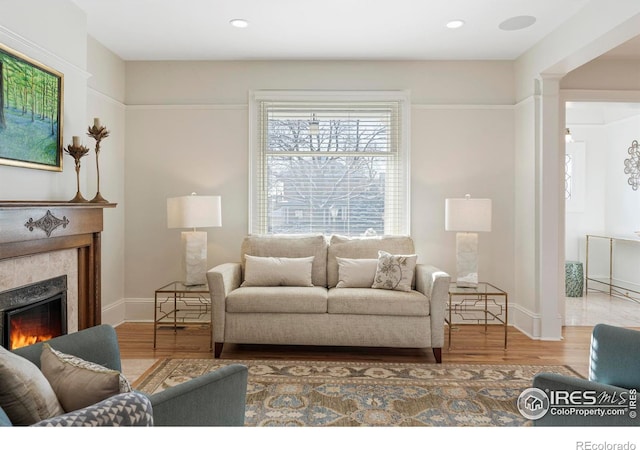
<point>329,162</point>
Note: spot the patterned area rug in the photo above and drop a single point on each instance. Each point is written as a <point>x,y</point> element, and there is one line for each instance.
<point>318,393</point>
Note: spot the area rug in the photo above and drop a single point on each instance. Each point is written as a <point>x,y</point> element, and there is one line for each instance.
<point>318,393</point>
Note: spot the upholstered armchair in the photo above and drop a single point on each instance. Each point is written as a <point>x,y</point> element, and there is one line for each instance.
<point>213,399</point>
<point>614,372</point>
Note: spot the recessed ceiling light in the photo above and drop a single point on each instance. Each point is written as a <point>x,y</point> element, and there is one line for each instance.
<point>239,23</point>
<point>455,24</point>
<point>517,23</point>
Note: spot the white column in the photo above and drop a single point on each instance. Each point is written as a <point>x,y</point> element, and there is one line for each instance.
<point>550,209</point>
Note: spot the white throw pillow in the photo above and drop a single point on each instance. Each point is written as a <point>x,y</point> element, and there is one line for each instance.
<point>356,273</point>
<point>275,271</point>
<point>394,272</point>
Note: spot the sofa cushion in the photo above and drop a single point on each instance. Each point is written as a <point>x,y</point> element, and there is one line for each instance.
<point>395,272</point>
<point>25,394</point>
<point>277,271</point>
<point>290,246</point>
<point>380,302</point>
<point>356,273</point>
<point>363,247</point>
<point>79,383</point>
<point>277,299</point>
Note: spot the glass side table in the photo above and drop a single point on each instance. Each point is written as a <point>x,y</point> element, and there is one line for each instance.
<point>176,303</point>
<point>485,304</point>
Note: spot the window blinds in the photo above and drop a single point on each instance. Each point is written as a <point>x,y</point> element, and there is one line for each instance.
<point>330,167</point>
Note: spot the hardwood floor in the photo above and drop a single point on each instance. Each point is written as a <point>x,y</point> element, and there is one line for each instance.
<point>470,344</point>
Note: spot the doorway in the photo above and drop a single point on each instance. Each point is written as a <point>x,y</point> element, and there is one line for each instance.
<point>600,199</point>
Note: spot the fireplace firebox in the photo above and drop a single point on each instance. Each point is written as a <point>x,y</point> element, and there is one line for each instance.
<point>33,313</point>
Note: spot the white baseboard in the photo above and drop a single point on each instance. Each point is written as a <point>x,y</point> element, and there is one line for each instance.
<point>114,314</point>
<point>139,310</point>
<point>529,323</point>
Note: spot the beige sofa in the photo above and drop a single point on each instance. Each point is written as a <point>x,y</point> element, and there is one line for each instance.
<point>250,306</point>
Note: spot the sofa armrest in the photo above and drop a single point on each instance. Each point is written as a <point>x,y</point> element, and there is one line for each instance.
<point>127,409</point>
<point>214,399</point>
<point>549,382</point>
<point>222,279</point>
<point>434,284</point>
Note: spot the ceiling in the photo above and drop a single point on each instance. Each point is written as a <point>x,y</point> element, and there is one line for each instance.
<point>321,29</point>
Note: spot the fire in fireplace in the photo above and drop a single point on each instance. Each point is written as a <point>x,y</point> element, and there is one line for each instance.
<point>33,313</point>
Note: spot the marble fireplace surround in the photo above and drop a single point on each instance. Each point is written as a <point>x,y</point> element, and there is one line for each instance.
<point>41,240</point>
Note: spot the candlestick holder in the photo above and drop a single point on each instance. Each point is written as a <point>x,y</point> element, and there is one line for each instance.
<point>98,133</point>
<point>77,152</point>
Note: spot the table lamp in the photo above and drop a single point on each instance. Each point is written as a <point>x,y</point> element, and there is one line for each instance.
<point>194,211</point>
<point>467,216</point>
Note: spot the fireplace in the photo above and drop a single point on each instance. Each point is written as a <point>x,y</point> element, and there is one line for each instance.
<point>33,313</point>
<point>36,229</point>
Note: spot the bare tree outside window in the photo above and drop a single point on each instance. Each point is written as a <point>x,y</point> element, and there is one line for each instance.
<point>329,178</point>
<point>330,162</point>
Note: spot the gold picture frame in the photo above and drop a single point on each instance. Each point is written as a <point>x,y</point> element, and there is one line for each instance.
<point>31,112</point>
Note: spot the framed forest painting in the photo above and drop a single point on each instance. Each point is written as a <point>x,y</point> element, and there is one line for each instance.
<point>30,112</point>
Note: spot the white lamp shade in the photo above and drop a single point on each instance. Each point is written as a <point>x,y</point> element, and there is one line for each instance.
<point>468,214</point>
<point>194,211</point>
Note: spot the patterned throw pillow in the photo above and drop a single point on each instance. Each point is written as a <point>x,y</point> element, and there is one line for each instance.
<point>394,272</point>
<point>79,383</point>
<point>25,394</point>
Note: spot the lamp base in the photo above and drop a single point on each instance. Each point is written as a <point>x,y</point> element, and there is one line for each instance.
<point>194,258</point>
<point>467,259</point>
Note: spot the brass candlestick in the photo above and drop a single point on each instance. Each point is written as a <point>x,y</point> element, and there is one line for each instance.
<point>77,151</point>
<point>98,133</point>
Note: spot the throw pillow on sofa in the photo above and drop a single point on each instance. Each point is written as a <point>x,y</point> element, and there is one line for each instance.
<point>78,383</point>
<point>25,395</point>
<point>394,272</point>
<point>356,273</point>
<point>277,271</point>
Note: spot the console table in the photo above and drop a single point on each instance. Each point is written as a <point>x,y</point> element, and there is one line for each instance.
<point>609,284</point>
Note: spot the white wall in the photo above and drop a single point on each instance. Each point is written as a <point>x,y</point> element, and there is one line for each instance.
<point>187,131</point>
<point>29,33</point>
<point>93,87</point>
<point>105,100</point>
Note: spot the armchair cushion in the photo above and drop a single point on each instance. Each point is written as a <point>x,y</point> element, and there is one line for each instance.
<point>79,383</point>
<point>26,395</point>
